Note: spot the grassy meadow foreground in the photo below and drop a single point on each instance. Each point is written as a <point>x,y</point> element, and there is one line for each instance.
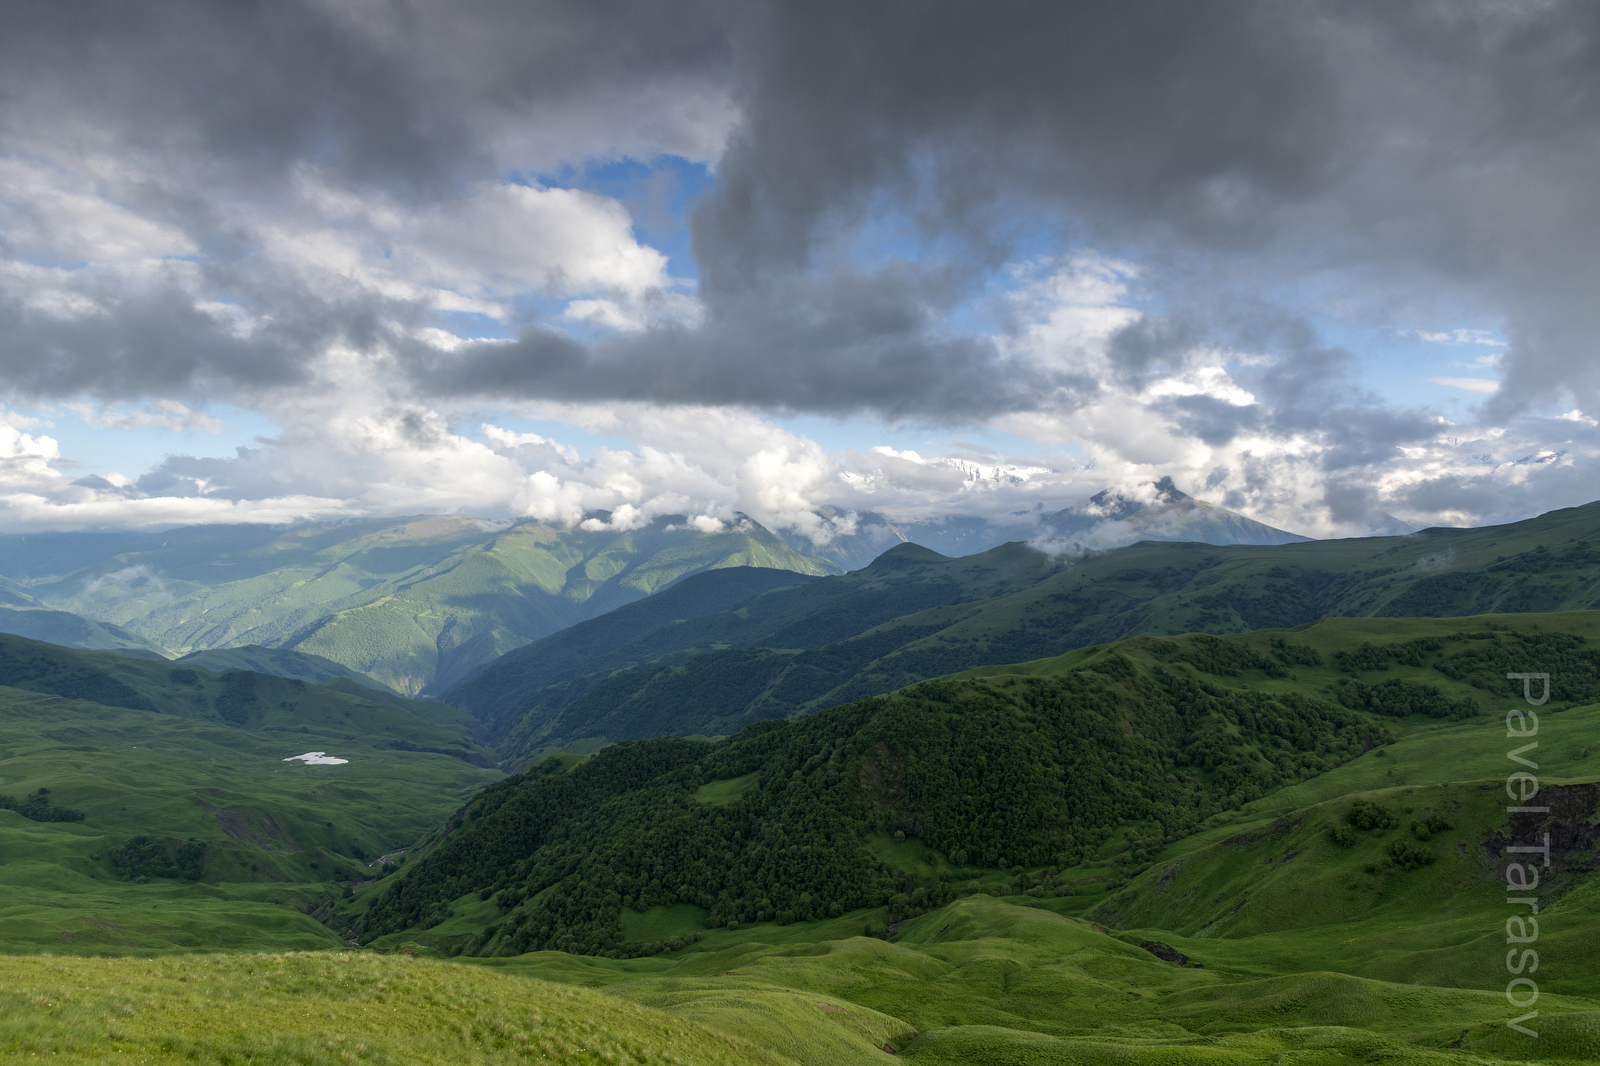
<point>1287,846</point>
<point>983,981</point>
<point>328,1008</point>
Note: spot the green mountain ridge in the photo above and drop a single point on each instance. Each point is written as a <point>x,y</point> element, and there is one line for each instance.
<point>415,603</point>
<point>560,689</point>
<point>1281,845</point>
<point>915,615</point>
<point>74,631</point>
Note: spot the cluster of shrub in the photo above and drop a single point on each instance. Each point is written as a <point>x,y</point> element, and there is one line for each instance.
<point>1375,818</point>
<point>1026,772</point>
<point>39,808</point>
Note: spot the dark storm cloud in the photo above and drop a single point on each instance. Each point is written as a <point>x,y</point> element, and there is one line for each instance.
<point>1404,157</point>
<point>1425,158</point>
<point>145,343</point>
<point>148,336</point>
<point>390,93</point>
<point>1205,113</point>
<point>839,343</point>
<point>1415,160</point>
<point>230,87</point>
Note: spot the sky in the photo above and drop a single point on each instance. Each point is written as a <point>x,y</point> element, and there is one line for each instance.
<point>1319,262</point>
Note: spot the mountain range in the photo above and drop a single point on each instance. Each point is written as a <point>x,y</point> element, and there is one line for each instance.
<point>695,662</point>
<point>416,603</point>
<point>1111,518</point>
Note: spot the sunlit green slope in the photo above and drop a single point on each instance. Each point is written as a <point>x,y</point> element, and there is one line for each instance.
<point>413,602</point>
<point>311,1010</point>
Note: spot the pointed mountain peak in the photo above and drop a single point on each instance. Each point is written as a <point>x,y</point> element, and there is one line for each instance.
<point>1158,510</point>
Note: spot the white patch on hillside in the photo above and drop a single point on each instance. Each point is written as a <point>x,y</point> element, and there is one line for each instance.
<point>317,758</point>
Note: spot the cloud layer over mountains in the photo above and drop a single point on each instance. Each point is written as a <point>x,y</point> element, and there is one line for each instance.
<point>1123,241</point>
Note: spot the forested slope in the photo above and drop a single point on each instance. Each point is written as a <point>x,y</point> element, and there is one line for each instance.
<point>1040,765</point>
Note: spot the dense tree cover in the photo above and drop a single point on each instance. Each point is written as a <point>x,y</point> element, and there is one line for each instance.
<point>1015,772</point>
<point>1397,698</point>
<point>144,857</point>
<point>238,697</point>
<point>42,667</point>
<point>38,808</point>
<point>1482,659</point>
<point>1572,663</point>
<point>1542,560</point>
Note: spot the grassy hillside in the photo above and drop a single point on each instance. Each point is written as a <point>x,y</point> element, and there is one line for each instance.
<point>984,981</point>
<point>149,805</point>
<point>74,631</point>
<point>280,662</point>
<point>1128,747</point>
<point>1018,979</point>
<point>416,603</point>
<point>916,615</point>
<point>1262,883</point>
<point>309,1010</point>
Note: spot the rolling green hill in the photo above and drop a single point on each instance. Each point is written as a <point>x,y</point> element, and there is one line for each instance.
<point>311,1010</point>
<point>915,615</point>
<point>1282,846</point>
<point>151,805</point>
<point>415,603</point>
